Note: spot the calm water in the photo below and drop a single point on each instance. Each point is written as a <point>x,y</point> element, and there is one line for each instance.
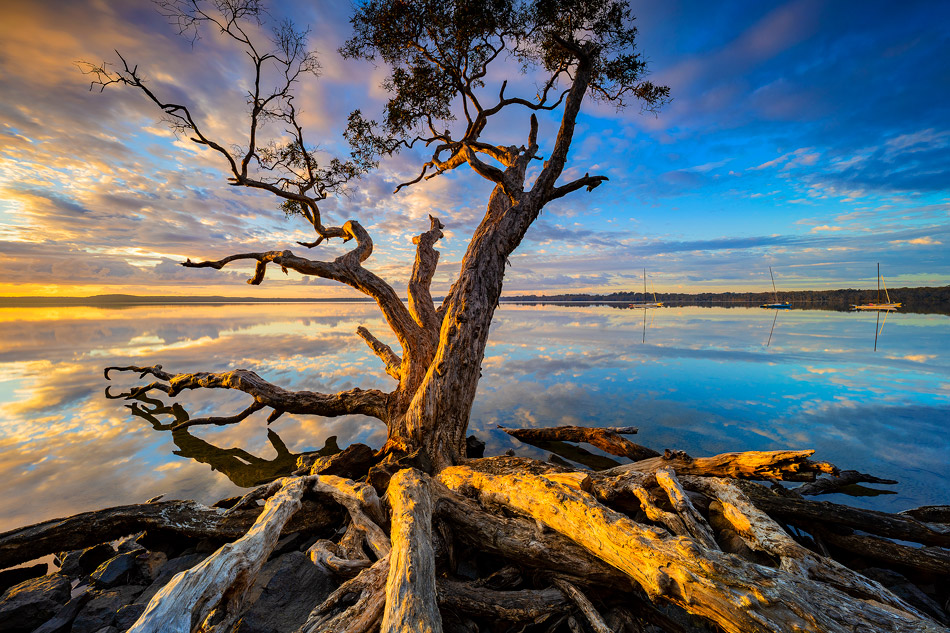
<point>704,380</point>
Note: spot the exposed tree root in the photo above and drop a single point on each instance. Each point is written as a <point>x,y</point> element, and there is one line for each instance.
<point>558,550</point>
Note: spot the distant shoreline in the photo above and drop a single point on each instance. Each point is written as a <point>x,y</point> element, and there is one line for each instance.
<point>920,299</point>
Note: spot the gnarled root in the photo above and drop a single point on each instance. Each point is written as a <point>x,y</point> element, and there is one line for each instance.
<point>739,596</point>
<point>548,549</point>
<point>211,594</point>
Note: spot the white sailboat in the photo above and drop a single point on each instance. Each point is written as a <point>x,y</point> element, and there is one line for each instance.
<point>647,304</point>
<point>778,305</point>
<point>887,305</point>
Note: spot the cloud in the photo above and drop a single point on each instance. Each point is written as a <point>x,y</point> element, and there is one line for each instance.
<point>919,241</point>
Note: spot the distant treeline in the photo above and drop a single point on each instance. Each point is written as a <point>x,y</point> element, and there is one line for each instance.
<point>130,300</point>
<point>926,299</point>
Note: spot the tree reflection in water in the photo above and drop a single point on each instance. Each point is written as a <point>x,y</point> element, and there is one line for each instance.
<point>242,468</point>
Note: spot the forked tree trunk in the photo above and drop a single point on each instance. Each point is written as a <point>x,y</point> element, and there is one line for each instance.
<point>437,418</point>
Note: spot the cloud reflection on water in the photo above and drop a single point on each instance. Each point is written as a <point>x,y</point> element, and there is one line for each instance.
<point>703,381</point>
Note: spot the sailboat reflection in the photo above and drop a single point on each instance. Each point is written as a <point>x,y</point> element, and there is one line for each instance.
<point>643,339</point>
<point>879,328</point>
<point>774,320</point>
<point>242,468</point>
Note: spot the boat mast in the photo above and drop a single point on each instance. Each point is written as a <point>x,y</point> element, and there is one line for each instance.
<point>774,291</point>
<point>879,282</point>
<point>644,285</point>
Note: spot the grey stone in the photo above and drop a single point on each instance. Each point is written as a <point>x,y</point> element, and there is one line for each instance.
<point>286,591</point>
<point>116,570</point>
<point>63,620</point>
<point>102,609</point>
<point>127,615</point>
<point>129,543</point>
<point>10,577</point>
<point>907,591</point>
<point>91,557</point>
<point>166,573</point>
<point>69,563</point>
<point>25,606</point>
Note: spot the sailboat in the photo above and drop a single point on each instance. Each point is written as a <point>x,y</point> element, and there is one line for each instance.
<point>646,304</point>
<point>879,306</point>
<point>778,305</point>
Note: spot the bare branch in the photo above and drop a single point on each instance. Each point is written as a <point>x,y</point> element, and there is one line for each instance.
<point>221,420</point>
<point>427,259</point>
<point>345,269</point>
<point>591,182</point>
<point>385,352</point>
<point>366,402</point>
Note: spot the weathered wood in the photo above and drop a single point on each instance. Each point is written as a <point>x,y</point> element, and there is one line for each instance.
<point>804,512</point>
<point>929,514</point>
<point>519,541</point>
<point>352,462</point>
<point>180,518</point>
<point>594,618</point>
<point>360,617</point>
<point>362,503</point>
<point>411,603</point>
<point>606,439</point>
<point>696,525</point>
<point>763,534</point>
<point>825,485</point>
<point>579,480</point>
<point>784,465</point>
<point>524,605</point>
<point>930,560</point>
<point>210,595</point>
<point>329,556</point>
<point>737,595</point>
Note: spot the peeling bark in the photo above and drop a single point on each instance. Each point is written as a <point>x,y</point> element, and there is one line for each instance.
<point>411,603</point>
<point>525,605</point>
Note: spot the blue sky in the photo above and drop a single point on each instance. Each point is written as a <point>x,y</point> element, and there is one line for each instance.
<point>810,136</point>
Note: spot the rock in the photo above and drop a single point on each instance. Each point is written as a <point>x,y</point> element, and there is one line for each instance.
<point>63,620</point>
<point>474,447</point>
<point>25,606</point>
<point>91,557</point>
<point>286,590</point>
<point>207,546</point>
<point>101,611</point>
<point>69,563</point>
<point>907,591</point>
<point>10,577</point>
<point>126,616</point>
<point>286,543</point>
<point>168,571</point>
<point>151,565</point>
<point>130,543</point>
<point>116,570</point>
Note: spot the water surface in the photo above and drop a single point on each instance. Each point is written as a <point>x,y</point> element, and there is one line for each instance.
<point>703,380</point>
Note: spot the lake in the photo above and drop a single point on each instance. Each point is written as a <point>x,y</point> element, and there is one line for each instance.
<point>703,380</point>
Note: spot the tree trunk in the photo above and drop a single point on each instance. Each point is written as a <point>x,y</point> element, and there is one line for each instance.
<point>437,418</point>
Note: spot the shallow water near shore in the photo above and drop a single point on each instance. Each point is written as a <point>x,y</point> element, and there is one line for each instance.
<point>703,380</point>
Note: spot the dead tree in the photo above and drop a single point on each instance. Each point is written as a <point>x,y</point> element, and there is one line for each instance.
<point>423,499</point>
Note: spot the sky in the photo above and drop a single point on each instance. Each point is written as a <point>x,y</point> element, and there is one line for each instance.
<point>810,136</point>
